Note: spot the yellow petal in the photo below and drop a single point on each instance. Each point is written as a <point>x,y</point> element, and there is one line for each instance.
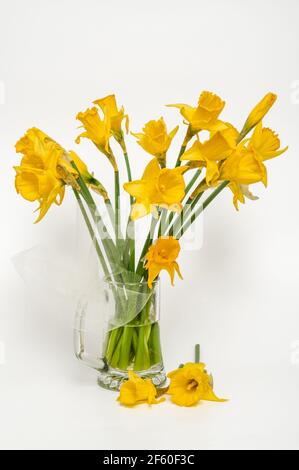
<point>107,103</point>
<point>47,202</point>
<point>211,102</point>
<point>27,185</point>
<point>194,153</point>
<point>237,194</point>
<point>151,171</point>
<point>140,209</point>
<point>186,111</point>
<point>173,133</point>
<point>265,143</point>
<point>136,189</point>
<point>209,395</point>
<point>218,146</point>
<point>212,173</point>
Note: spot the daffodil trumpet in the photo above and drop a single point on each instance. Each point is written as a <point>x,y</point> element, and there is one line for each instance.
<point>170,193</point>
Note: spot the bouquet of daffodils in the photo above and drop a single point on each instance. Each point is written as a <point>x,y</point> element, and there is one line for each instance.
<point>173,195</point>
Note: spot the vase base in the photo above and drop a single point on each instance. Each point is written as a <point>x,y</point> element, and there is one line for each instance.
<point>112,379</point>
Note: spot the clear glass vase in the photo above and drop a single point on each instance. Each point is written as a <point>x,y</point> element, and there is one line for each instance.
<point>117,329</point>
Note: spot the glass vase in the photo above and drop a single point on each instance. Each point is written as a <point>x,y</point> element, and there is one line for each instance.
<point>117,329</point>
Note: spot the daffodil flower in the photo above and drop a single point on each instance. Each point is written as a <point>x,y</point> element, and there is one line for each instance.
<point>162,255</point>
<point>37,178</point>
<point>45,169</point>
<point>116,116</point>
<point>205,115</point>
<point>209,153</point>
<point>245,166</point>
<point>241,169</point>
<point>265,143</point>
<point>190,384</point>
<point>157,187</point>
<point>98,131</point>
<point>155,139</point>
<point>136,390</point>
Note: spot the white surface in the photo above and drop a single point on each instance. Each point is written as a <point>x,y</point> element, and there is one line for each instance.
<point>239,297</point>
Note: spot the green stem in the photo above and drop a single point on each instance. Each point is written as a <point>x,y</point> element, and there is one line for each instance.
<point>127,244</point>
<point>132,256</point>
<point>187,204</point>
<point>128,165</point>
<point>161,229</point>
<point>134,341</point>
<point>142,358</point>
<point>209,199</point>
<point>183,216</point>
<point>155,345</point>
<point>108,244</point>
<point>113,339</point>
<point>104,194</point>
<point>182,150</point>
<point>192,181</point>
<point>146,245</point>
<point>110,212</point>
<point>116,206</point>
<point>125,348</point>
<point>131,244</point>
<point>200,209</point>
<point>197,353</point>
<point>89,200</point>
<point>91,232</point>
<point>116,355</point>
<point>188,136</point>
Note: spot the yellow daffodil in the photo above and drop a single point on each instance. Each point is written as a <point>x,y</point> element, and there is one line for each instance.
<point>37,178</point>
<point>246,167</point>
<point>242,168</point>
<point>190,384</point>
<point>41,186</point>
<point>155,139</point>
<point>205,115</point>
<point>209,153</point>
<point>46,168</point>
<point>258,112</point>
<point>98,131</point>
<point>137,390</point>
<point>108,106</point>
<point>34,145</point>
<point>157,187</point>
<point>265,143</point>
<point>162,255</point>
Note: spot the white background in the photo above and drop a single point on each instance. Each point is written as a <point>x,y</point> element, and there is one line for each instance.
<point>239,297</point>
